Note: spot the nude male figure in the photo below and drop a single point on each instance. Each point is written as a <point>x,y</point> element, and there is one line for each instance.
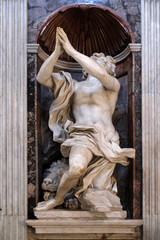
<point>94,102</point>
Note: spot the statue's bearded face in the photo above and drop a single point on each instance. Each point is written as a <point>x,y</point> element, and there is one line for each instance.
<point>105,61</point>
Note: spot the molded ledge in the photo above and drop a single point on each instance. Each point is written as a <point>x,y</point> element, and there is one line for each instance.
<point>63,227</point>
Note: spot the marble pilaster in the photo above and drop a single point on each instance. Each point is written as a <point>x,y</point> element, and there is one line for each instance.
<point>137,135</point>
<point>33,132</point>
<point>13,119</point>
<point>151,117</point>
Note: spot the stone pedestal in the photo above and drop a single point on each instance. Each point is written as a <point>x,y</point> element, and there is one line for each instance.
<point>69,215</point>
<point>65,224</point>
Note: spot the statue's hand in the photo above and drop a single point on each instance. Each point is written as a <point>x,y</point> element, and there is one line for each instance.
<point>59,47</point>
<point>65,42</point>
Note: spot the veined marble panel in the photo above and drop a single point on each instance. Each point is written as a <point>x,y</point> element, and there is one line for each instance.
<point>13,119</point>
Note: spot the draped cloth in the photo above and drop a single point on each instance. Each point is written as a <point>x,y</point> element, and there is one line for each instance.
<point>59,113</point>
<point>106,152</point>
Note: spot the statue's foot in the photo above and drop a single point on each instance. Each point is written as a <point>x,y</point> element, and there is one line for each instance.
<point>47,205</point>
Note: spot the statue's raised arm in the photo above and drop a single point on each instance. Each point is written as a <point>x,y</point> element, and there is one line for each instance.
<point>102,70</point>
<point>44,75</point>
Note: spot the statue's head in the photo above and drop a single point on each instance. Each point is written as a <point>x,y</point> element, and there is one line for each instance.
<point>106,61</point>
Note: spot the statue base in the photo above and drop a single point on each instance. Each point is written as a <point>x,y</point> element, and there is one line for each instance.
<point>79,214</point>
<point>65,224</point>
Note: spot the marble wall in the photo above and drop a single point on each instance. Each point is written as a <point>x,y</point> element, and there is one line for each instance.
<point>38,10</point>
<point>137,173</point>
<point>31,123</point>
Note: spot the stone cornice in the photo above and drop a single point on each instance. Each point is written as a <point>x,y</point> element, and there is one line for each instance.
<point>32,48</point>
<point>75,67</point>
<point>135,47</point>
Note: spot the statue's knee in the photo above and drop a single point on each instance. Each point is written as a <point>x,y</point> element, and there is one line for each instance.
<point>77,170</point>
<point>82,170</point>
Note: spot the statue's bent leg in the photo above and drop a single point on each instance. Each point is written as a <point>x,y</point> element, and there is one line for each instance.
<point>78,162</point>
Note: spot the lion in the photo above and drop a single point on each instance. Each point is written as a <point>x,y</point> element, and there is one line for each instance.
<point>51,180</point>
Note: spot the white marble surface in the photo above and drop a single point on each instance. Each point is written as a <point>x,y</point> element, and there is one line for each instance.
<point>81,214</point>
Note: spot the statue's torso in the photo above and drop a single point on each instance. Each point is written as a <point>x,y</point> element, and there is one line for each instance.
<point>93,104</point>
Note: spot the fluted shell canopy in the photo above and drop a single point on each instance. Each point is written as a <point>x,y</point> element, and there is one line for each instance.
<point>90,29</point>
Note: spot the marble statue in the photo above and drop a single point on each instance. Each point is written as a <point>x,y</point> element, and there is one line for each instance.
<point>80,118</point>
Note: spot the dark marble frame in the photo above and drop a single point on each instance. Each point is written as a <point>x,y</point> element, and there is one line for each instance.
<point>130,67</point>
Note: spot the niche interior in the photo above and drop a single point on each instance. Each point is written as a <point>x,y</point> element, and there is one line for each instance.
<point>90,29</point>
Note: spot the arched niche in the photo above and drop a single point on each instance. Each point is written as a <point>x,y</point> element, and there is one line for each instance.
<point>91,28</point>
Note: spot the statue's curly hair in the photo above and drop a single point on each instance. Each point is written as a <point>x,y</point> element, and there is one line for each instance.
<point>102,60</point>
